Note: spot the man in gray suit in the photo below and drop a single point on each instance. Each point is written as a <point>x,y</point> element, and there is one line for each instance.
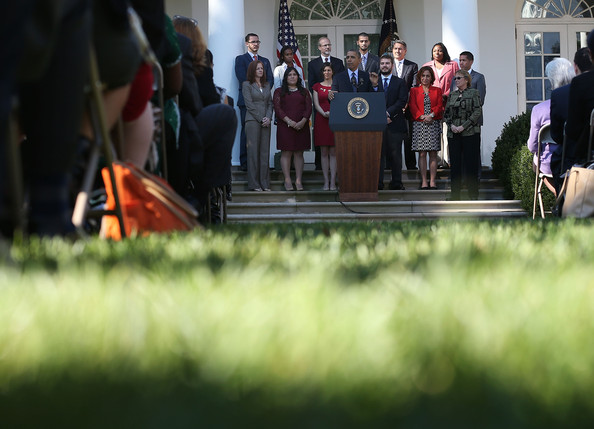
<point>478,82</point>
<point>369,62</point>
<point>407,71</point>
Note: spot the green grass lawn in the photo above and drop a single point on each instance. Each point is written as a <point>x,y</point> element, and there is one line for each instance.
<point>413,325</point>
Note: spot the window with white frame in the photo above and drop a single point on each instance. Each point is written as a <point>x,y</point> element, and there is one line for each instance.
<point>548,29</point>
<point>339,20</point>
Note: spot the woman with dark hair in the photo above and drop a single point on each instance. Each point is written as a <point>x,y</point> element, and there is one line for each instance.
<point>286,60</point>
<point>444,70</point>
<point>292,104</point>
<point>323,136</point>
<point>426,109</point>
<point>258,102</point>
<point>461,116</point>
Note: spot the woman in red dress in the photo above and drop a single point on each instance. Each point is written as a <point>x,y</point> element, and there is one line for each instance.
<point>323,136</point>
<point>292,104</point>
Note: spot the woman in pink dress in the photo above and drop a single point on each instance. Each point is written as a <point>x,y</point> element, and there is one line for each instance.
<point>292,104</point>
<point>323,136</point>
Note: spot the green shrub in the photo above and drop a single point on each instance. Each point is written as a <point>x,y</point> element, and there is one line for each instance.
<point>513,137</point>
<point>522,178</point>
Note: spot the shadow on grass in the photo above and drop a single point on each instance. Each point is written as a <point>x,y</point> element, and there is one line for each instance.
<point>99,404</point>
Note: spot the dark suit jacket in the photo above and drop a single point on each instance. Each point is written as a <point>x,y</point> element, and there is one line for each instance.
<point>559,107</point>
<point>342,82</point>
<point>241,65</point>
<point>396,99</point>
<point>314,70</point>
<point>372,64</point>
<point>581,103</point>
<point>409,73</point>
<point>208,91</point>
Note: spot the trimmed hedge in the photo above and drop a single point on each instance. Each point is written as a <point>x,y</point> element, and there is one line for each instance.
<point>522,179</point>
<point>513,137</point>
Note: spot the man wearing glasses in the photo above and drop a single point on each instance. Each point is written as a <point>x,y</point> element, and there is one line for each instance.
<point>252,42</point>
<point>314,75</point>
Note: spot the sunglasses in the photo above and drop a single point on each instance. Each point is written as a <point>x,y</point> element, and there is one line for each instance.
<point>458,77</point>
<point>185,18</point>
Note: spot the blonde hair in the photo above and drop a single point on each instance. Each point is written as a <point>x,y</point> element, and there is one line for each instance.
<point>465,75</point>
<point>189,28</point>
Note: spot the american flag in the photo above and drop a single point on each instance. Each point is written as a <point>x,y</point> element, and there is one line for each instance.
<point>389,28</point>
<point>286,33</point>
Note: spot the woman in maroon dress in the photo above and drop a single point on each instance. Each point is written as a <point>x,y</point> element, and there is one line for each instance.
<point>292,104</point>
<point>323,137</point>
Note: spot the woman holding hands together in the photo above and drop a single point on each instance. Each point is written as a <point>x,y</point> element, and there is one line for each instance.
<point>426,108</point>
<point>292,104</point>
<point>258,102</point>
<point>323,136</point>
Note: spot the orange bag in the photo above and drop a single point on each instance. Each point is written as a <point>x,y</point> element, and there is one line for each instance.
<point>148,203</point>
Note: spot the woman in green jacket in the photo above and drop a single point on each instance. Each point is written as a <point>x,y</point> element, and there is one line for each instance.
<point>462,113</point>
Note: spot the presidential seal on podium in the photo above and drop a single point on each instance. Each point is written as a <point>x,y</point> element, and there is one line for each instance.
<point>358,107</point>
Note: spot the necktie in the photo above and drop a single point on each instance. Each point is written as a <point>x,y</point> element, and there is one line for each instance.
<point>256,57</point>
<point>385,83</point>
<point>354,82</point>
<point>399,69</point>
<point>364,62</point>
<point>326,60</point>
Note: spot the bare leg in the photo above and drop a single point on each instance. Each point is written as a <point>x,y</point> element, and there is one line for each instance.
<point>332,151</point>
<point>138,135</point>
<point>286,167</point>
<point>298,159</point>
<point>423,168</point>
<point>550,186</point>
<point>432,167</point>
<point>325,165</point>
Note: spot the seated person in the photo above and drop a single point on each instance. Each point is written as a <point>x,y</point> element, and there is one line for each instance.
<point>559,72</point>
<point>559,109</point>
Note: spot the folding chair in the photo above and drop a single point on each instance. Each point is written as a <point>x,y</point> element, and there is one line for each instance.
<point>102,134</point>
<point>544,136</point>
<point>158,111</point>
<point>102,140</point>
<point>217,199</point>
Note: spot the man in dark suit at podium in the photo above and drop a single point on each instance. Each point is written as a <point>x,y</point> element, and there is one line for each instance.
<point>352,79</point>
<point>396,93</point>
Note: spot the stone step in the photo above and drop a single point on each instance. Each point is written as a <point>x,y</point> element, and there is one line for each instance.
<point>316,205</point>
<point>467,214</point>
<point>313,184</point>
<point>320,196</point>
<point>379,208</point>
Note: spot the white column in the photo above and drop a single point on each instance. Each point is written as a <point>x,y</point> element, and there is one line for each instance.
<point>460,28</point>
<point>226,34</point>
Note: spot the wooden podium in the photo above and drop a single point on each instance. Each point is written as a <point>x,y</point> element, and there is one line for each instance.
<point>358,120</point>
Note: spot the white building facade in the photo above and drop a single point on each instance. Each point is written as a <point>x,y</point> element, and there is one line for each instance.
<point>512,40</point>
